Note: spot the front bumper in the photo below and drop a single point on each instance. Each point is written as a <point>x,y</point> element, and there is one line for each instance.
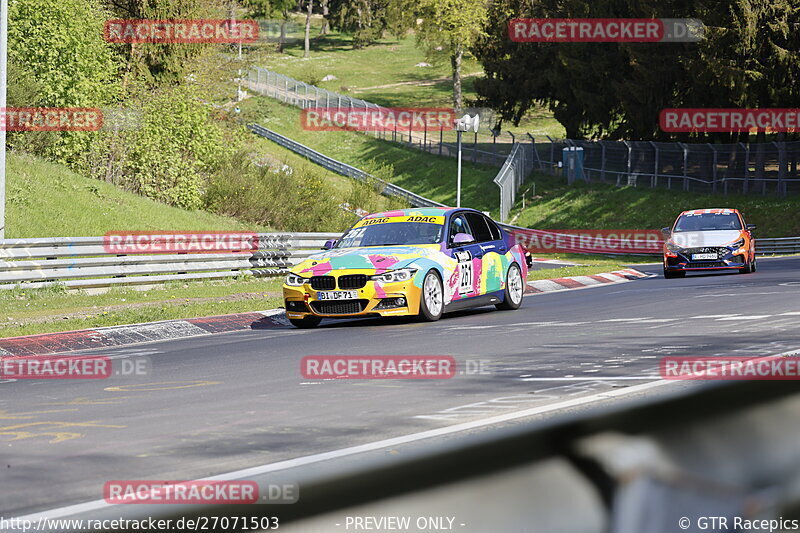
<point>727,259</point>
<point>399,298</point>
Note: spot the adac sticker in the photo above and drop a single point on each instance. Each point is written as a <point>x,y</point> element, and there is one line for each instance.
<point>409,218</point>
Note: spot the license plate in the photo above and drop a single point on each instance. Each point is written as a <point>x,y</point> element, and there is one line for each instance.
<point>337,295</point>
<point>700,257</point>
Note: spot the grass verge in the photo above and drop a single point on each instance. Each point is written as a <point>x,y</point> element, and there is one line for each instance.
<point>598,206</point>
<point>429,175</point>
<point>48,200</point>
<point>45,310</point>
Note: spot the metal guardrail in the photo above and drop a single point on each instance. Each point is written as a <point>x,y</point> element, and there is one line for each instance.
<point>86,262</point>
<point>783,245</point>
<point>343,169</point>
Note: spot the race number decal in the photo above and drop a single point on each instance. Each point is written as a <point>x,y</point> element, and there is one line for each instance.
<point>353,238</point>
<point>465,282</point>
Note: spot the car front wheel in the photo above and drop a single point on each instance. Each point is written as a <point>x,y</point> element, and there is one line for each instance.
<point>431,305</point>
<point>515,288</point>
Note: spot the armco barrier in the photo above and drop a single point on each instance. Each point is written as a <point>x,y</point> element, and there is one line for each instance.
<point>84,262</point>
<point>343,169</point>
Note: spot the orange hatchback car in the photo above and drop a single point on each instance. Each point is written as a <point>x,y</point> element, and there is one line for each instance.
<point>709,239</point>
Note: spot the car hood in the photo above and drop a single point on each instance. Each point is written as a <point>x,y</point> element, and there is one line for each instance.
<point>376,258</point>
<point>700,239</point>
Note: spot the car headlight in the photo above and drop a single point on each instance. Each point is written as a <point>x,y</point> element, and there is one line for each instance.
<point>672,247</point>
<point>293,280</point>
<point>736,245</point>
<point>403,274</point>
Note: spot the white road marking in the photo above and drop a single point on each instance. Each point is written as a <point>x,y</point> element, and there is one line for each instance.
<point>751,317</point>
<point>711,316</point>
<point>596,378</point>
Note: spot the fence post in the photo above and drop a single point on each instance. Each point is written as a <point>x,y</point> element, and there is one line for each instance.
<point>534,153</point>
<point>685,165</point>
<point>654,180</point>
<point>630,150</point>
<point>602,161</point>
<point>441,138</point>
<point>745,183</point>
<point>781,168</point>
<point>474,147</point>
<point>713,168</point>
<point>552,150</point>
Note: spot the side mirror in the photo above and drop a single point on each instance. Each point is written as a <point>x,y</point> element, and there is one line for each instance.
<point>665,232</point>
<point>463,238</point>
<point>751,227</point>
<point>329,244</point>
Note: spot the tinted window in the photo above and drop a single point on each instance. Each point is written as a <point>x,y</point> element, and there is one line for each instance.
<point>496,233</point>
<point>708,222</point>
<point>480,229</point>
<point>391,234</point>
<point>458,224</point>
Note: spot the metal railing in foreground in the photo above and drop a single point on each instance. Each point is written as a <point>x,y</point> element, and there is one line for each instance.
<point>651,464</point>
<point>88,262</point>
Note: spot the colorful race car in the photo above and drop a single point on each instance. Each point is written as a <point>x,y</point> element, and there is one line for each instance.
<point>709,239</point>
<point>422,261</point>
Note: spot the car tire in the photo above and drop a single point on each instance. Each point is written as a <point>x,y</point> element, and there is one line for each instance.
<point>308,322</point>
<point>515,289</point>
<point>431,298</point>
<point>749,268</point>
<point>754,264</point>
<point>670,274</point>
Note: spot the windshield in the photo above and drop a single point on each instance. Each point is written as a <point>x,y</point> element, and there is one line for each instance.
<point>391,234</point>
<point>708,222</point>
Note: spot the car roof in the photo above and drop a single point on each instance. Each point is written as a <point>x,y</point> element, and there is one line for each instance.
<point>711,211</point>
<point>417,211</point>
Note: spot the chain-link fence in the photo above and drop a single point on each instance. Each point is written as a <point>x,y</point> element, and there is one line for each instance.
<point>490,148</point>
<point>764,168</point>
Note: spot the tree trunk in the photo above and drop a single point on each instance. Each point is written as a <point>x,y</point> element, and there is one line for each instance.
<point>307,52</point>
<point>325,13</point>
<point>282,38</point>
<point>455,61</point>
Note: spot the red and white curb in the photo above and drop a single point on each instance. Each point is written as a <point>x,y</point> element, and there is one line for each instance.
<point>583,282</point>
<point>86,339</point>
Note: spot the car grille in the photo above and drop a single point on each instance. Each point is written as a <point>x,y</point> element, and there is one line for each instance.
<point>352,281</point>
<point>349,307</point>
<point>706,264</point>
<point>709,250</point>
<point>323,283</point>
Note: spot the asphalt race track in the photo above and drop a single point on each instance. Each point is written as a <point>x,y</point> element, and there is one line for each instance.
<point>227,402</point>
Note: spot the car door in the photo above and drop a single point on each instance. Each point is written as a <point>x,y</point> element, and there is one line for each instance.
<point>490,240</point>
<point>468,280</point>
